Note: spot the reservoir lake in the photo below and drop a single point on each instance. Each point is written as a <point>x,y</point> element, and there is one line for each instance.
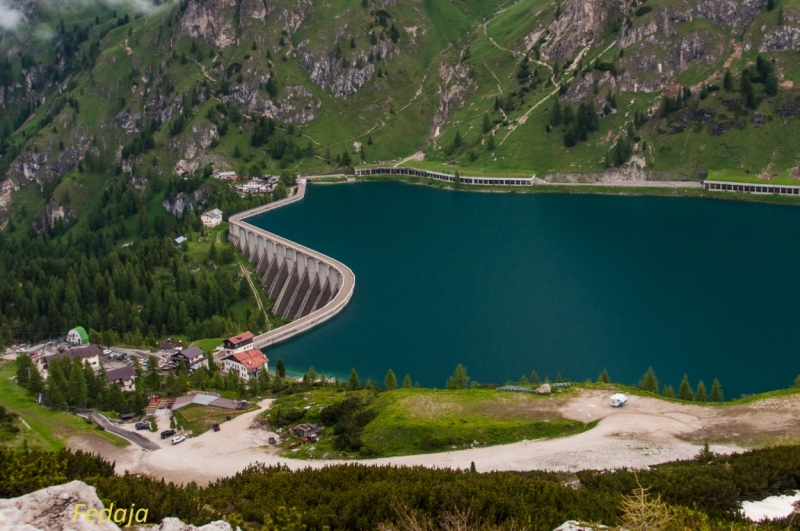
<point>507,283</point>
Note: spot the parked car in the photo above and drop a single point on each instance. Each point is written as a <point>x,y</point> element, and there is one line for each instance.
<point>131,357</point>
<point>216,427</point>
<point>144,363</point>
<point>167,433</point>
<point>179,439</point>
<point>142,425</point>
<point>272,440</point>
<point>107,352</point>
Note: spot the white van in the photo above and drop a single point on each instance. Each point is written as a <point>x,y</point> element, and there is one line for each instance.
<point>618,400</point>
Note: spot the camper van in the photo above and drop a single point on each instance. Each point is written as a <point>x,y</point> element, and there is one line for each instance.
<point>618,400</point>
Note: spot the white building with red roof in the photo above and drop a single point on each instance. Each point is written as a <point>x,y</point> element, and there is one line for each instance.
<point>242,342</point>
<point>248,363</point>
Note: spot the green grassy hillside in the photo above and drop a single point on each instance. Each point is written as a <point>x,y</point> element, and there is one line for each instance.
<point>527,86</point>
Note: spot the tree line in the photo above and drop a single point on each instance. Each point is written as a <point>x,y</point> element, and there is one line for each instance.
<point>696,494</point>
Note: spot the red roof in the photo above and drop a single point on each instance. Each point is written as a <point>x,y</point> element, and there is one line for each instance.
<point>241,338</point>
<point>252,359</point>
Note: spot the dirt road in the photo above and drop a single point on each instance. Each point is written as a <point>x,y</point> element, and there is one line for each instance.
<point>646,432</point>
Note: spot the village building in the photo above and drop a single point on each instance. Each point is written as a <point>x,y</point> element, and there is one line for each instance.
<point>179,240</point>
<point>124,377</point>
<point>239,343</point>
<point>226,175</point>
<point>78,336</point>
<point>193,357</point>
<point>307,430</point>
<point>248,364</point>
<point>169,344</point>
<point>89,354</point>
<point>212,218</point>
<point>253,186</point>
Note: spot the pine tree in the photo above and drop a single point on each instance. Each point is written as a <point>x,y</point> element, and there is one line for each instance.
<point>459,379</point>
<point>649,382</point>
<point>716,391</point>
<point>604,378</point>
<point>407,382</point>
<point>487,124</point>
<point>701,396</point>
<point>534,377</point>
<point>685,390</point>
<point>668,392</point>
<point>77,393</point>
<point>727,81</point>
<point>390,382</point>
<point>490,143</point>
<point>280,368</point>
<point>212,252</point>
<point>355,383</point>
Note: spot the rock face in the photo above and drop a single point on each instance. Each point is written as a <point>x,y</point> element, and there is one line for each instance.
<point>212,20</point>
<point>580,24</point>
<point>177,205</point>
<point>781,39</point>
<point>326,70</point>
<point>53,509</point>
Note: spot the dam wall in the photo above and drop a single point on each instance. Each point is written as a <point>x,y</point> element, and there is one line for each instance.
<point>307,286</point>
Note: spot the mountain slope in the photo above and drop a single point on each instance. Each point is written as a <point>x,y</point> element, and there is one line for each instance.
<point>569,90</point>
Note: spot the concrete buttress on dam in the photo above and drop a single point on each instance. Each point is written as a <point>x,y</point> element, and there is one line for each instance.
<point>307,286</point>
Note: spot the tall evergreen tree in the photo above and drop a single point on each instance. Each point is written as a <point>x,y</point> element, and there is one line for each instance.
<point>604,378</point>
<point>390,382</point>
<point>459,379</point>
<point>685,390</point>
<point>355,383</point>
<point>649,382</point>
<point>407,382</point>
<point>280,368</point>
<point>668,392</point>
<point>716,392</point>
<point>701,396</point>
<point>77,393</point>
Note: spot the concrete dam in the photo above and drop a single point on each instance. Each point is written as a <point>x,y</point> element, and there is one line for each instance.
<point>307,286</point>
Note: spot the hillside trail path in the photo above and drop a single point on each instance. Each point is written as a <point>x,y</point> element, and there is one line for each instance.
<point>646,432</point>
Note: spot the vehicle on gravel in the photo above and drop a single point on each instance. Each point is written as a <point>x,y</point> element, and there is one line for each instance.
<point>167,433</point>
<point>179,439</point>
<point>142,425</point>
<point>216,427</point>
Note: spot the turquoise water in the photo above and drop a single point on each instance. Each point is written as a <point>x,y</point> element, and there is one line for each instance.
<point>571,284</point>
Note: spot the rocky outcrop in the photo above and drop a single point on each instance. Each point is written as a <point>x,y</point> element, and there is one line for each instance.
<point>182,203</point>
<point>292,19</point>
<point>326,70</point>
<point>580,24</point>
<point>127,121</point>
<point>295,104</point>
<point>455,82</point>
<point>781,39</point>
<point>211,20</point>
<point>53,509</point>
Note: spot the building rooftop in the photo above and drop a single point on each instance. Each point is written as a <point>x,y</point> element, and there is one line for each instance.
<point>241,338</point>
<point>81,331</point>
<point>123,373</point>
<point>216,213</point>
<point>252,359</point>
<point>180,239</point>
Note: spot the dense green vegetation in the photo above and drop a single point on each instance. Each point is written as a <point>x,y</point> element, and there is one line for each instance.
<point>704,493</point>
<point>414,421</point>
<point>40,427</point>
<point>124,276</point>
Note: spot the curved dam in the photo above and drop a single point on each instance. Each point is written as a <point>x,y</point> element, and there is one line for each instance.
<point>307,286</point>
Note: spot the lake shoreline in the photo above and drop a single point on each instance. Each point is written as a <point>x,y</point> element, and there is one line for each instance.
<point>655,190</point>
